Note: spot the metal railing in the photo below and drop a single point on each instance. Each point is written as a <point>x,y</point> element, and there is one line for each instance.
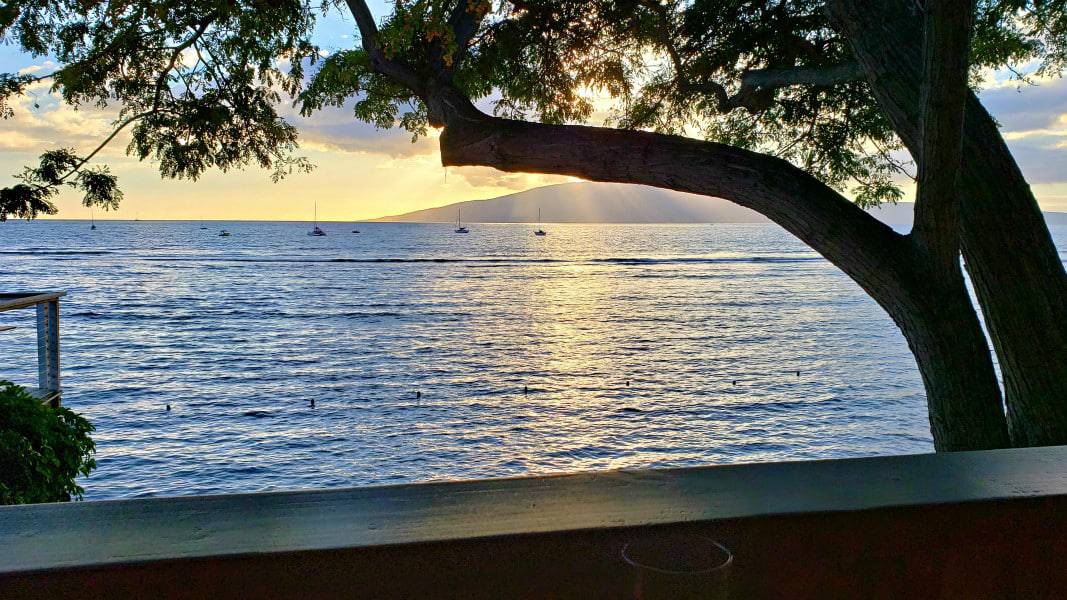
<point>47,305</point>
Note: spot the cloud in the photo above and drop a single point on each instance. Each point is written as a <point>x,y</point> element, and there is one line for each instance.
<point>1033,121</point>
<point>1027,107</point>
<point>43,122</point>
<point>487,177</point>
<point>322,133</point>
<point>1041,157</point>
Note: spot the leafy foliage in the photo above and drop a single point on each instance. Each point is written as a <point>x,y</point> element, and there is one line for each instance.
<point>380,101</point>
<point>678,67</point>
<point>58,168</point>
<point>42,449</point>
<point>1021,33</point>
<point>200,81</point>
<point>11,85</point>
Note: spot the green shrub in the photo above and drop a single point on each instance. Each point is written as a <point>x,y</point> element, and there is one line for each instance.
<point>42,449</point>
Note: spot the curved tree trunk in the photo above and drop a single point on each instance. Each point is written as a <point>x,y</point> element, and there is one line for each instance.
<point>947,341</point>
<point>935,236</point>
<point>1014,265</point>
<point>1020,282</point>
<point>930,306</point>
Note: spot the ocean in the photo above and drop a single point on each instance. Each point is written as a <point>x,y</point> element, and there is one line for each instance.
<point>431,355</point>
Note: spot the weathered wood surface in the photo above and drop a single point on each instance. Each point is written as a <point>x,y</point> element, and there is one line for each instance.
<point>14,300</point>
<point>923,520</point>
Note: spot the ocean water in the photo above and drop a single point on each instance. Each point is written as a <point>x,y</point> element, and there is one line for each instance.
<point>640,346</point>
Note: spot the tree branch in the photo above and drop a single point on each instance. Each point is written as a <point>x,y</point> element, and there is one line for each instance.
<point>368,33</point>
<point>164,76</point>
<point>866,249</point>
<point>754,93</point>
<point>114,132</point>
<point>778,78</point>
<point>465,20</point>
<point>722,98</point>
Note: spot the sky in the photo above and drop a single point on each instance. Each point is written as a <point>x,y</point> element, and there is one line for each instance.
<point>364,173</point>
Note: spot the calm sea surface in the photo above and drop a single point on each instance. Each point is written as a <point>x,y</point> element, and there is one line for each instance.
<point>238,334</point>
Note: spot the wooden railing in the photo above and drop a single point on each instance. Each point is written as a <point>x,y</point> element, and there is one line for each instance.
<point>47,305</point>
<point>971,525</point>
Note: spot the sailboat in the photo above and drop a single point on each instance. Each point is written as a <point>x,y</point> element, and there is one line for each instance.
<point>459,223</point>
<point>316,231</point>
<point>92,219</point>
<point>539,230</point>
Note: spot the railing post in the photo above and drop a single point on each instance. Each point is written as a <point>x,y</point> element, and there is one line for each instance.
<point>48,349</point>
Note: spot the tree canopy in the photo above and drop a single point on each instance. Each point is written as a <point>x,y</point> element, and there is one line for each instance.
<point>772,104</point>
<point>199,84</point>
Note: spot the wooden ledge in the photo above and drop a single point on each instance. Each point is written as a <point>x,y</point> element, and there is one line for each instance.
<point>14,300</point>
<point>92,534</point>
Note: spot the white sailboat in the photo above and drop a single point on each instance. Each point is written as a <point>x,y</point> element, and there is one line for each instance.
<point>539,230</point>
<point>316,231</point>
<point>459,223</point>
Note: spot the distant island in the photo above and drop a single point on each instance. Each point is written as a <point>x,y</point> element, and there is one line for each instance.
<point>590,202</point>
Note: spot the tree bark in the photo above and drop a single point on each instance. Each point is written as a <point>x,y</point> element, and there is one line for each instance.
<point>946,48</point>
<point>934,313</point>
<point>1015,268</point>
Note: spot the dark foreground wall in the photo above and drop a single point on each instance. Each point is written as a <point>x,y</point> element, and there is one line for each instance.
<point>964,525</point>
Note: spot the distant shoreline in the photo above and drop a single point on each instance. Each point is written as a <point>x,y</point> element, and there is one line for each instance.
<point>1053,219</point>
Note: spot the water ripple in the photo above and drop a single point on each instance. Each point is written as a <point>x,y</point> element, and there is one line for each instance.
<point>593,347</point>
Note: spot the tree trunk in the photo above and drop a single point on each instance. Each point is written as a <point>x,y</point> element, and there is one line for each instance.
<point>932,309</point>
<point>944,334</point>
<point>935,236</point>
<point>1014,265</point>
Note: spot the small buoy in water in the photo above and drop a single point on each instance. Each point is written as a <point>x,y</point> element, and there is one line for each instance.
<point>798,373</point>
<point>526,389</point>
<point>735,382</point>
<point>627,383</point>
<point>168,407</point>
<point>418,395</point>
<point>312,403</point>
